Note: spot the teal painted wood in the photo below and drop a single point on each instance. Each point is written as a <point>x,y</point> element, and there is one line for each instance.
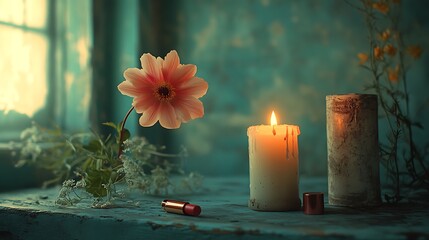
<point>31,214</point>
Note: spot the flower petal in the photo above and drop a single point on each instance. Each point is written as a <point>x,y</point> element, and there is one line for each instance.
<point>195,87</point>
<point>152,67</point>
<point>182,74</point>
<point>182,113</point>
<point>127,88</point>
<point>188,108</point>
<point>134,75</point>
<point>167,117</point>
<point>172,61</point>
<point>144,101</point>
<point>150,116</point>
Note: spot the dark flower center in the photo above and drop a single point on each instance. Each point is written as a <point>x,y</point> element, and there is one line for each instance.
<point>164,92</point>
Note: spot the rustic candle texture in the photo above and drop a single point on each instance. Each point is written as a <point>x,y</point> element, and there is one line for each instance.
<point>273,162</point>
<point>353,151</point>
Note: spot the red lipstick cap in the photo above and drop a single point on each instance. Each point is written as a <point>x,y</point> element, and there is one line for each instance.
<point>313,203</point>
<point>192,210</point>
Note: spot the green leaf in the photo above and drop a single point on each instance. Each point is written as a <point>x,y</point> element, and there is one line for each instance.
<point>93,146</point>
<point>125,135</point>
<point>110,124</point>
<point>95,180</point>
<point>20,163</point>
<point>86,164</point>
<point>71,145</point>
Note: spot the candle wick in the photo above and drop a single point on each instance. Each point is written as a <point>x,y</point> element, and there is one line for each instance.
<point>274,131</point>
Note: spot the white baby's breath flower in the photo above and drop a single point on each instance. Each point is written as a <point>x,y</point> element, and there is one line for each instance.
<point>64,191</point>
<point>80,184</point>
<point>160,179</point>
<point>31,149</point>
<point>69,183</point>
<point>62,201</point>
<point>28,132</point>
<point>121,171</point>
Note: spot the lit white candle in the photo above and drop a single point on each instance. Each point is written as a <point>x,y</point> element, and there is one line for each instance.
<point>273,162</point>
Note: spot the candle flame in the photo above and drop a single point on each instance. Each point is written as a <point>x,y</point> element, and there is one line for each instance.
<point>273,119</point>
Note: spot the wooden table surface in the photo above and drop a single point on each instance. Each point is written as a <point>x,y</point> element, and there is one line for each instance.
<point>32,214</point>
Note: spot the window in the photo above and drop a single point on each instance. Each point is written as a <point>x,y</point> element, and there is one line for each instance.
<point>24,36</point>
<point>45,73</point>
<point>44,64</point>
<point>24,46</point>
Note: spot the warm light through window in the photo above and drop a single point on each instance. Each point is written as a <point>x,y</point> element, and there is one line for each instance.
<point>23,58</point>
<point>28,13</point>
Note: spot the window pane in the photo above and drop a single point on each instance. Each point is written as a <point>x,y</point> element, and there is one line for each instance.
<point>31,13</point>
<point>36,13</point>
<point>22,70</point>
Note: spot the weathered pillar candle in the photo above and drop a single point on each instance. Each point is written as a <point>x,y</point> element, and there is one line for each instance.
<point>353,151</point>
<point>273,162</point>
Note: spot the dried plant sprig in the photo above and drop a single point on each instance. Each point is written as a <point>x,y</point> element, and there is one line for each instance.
<point>386,61</point>
<point>87,164</point>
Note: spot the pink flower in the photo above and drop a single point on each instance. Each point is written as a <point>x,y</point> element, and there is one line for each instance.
<point>164,90</point>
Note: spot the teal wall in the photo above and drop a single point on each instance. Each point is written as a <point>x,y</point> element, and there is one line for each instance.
<point>257,56</point>
<point>281,55</point>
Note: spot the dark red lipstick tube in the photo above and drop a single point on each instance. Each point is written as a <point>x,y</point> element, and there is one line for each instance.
<point>184,208</point>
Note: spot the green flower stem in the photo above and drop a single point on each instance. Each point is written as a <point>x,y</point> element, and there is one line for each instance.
<point>121,133</point>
